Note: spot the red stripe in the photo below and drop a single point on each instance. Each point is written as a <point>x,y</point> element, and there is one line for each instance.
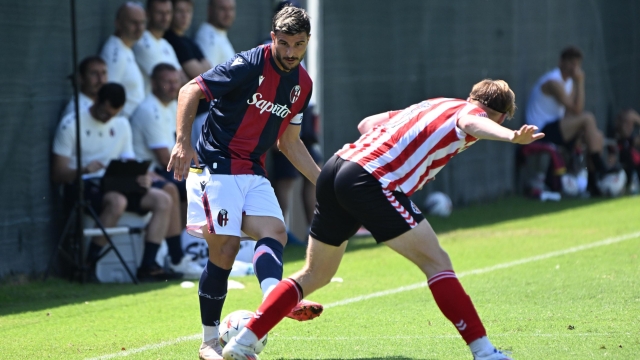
<point>413,146</point>
<point>449,138</point>
<point>207,213</point>
<point>247,136</point>
<point>205,89</point>
<point>434,165</point>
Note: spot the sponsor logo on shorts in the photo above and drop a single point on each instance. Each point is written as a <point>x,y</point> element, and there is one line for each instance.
<point>415,208</point>
<point>223,218</point>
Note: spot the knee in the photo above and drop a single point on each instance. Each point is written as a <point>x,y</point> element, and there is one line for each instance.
<point>229,249</point>
<point>114,202</point>
<point>589,120</point>
<point>162,200</point>
<point>172,190</point>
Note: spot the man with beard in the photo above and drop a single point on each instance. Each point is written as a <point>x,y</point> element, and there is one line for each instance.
<point>257,99</point>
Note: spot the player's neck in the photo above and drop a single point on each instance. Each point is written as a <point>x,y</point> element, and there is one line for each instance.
<point>178,32</point>
<point>157,33</point>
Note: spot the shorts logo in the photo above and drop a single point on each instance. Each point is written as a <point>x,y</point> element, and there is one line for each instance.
<point>295,94</point>
<point>223,219</point>
<point>415,208</point>
<point>203,185</point>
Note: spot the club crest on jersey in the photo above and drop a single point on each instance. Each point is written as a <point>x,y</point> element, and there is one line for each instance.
<point>295,94</point>
<point>223,217</point>
<point>415,208</point>
<point>276,109</point>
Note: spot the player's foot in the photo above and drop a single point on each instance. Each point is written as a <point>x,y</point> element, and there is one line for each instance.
<point>156,273</point>
<point>306,310</point>
<point>211,350</point>
<point>495,355</point>
<point>235,351</point>
<point>188,268</point>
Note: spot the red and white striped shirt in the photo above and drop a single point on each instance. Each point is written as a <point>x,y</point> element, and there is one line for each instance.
<point>414,145</point>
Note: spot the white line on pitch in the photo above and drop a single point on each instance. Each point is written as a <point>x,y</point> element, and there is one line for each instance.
<point>452,336</point>
<point>608,241</point>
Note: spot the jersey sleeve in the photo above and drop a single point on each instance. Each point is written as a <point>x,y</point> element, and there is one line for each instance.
<point>393,113</point>
<point>223,78</point>
<point>297,119</point>
<point>65,138</point>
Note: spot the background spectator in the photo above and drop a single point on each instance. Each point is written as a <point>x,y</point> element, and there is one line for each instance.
<point>105,137</point>
<point>92,74</point>
<point>556,107</point>
<point>189,54</point>
<point>629,145</point>
<point>154,131</point>
<point>212,34</point>
<point>116,52</point>
<point>153,49</point>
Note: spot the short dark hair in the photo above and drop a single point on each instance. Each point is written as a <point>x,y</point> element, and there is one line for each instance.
<point>86,62</point>
<point>177,1</point>
<point>570,53</point>
<point>113,93</point>
<point>160,68</point>
<point>151,2</point>
<point>291,20</point>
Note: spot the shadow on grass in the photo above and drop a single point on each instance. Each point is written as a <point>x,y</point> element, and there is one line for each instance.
<point>23,296</point>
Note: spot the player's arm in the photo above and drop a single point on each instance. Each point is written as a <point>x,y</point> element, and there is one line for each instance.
<point>293,148</point>
<point>484,128</point>
<point>62,172</point>
<point>195,67</point>
<point>162,156</point>
<point>183,152</point>
<point>370,122</point>
<point>574,102</point>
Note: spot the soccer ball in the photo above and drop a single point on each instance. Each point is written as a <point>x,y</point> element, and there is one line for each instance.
<point>439,204</point>
<point>613,184</point>
<point>233,323</point>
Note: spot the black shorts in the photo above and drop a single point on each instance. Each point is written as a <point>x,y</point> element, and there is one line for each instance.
<point>168,177</point>
<point>284,169</point>
<point>348,197</point>
<point>93,196</point>
<point>553,135</point>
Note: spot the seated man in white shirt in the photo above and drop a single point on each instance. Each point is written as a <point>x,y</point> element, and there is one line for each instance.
<point>105,137</point>
<point>153,126</point>
<point>116,52</point>
<point>92,73</point>
<point>152,49</point>
<point>556,107</point>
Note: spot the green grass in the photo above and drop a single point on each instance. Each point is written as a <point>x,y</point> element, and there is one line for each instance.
<point>580,305</point>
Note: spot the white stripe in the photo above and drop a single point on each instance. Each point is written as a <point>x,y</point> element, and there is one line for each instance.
<point>605,242</point>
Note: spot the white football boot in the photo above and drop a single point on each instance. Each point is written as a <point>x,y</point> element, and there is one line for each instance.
<point>235,351</point>
<point>496,355</point>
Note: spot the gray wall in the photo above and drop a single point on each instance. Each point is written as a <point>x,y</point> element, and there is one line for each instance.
<point>377,55</point>
<point>381,55</point>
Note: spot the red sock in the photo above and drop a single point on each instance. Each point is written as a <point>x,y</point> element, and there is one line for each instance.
<point>456,305</point>
<point>284,297</point>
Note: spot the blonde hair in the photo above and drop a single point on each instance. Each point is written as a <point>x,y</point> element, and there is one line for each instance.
<point>496,95</point>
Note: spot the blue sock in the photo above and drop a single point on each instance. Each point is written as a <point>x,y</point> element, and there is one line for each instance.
<point>212,293</point>
<point>174,246</point>
<point>267,263</point>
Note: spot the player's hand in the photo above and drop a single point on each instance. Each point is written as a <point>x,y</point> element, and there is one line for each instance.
<point>93,166</point>
<point>181,157</point>
<point>144,181</point>
<point>526,135</point>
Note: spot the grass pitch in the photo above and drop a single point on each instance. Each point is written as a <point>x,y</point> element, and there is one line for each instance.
<point>550,281</point>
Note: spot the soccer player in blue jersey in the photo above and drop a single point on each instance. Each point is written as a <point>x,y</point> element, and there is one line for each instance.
<point>256,99</point>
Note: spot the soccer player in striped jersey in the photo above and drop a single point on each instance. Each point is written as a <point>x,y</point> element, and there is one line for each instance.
<point>256,99</point>
<point>369,183</point>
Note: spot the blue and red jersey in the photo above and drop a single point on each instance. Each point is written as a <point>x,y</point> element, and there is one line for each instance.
<point>252,103</point>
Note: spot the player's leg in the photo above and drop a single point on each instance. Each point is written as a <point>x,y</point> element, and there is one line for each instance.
<point>159,203</point>
<point>215,214</point>
<point>420,245</point>
<point>110,208</point>
<point>331,226</point>
<point>585,127</point>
